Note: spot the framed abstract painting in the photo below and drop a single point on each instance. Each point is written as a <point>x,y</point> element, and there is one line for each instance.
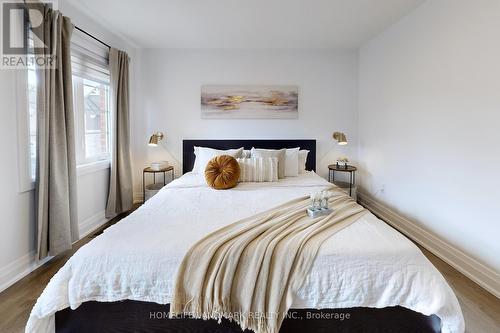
<point>257,102</point>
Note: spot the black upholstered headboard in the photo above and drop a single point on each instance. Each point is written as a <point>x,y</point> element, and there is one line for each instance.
<point>188,156</point>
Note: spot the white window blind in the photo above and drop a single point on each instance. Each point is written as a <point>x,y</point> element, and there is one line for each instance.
<point>89,58</point>
<point>91,93</point>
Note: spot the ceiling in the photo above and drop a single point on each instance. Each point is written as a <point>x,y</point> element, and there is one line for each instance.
<point>247,24</point>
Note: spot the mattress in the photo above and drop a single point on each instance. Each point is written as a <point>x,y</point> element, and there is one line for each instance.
<point>368,264</point>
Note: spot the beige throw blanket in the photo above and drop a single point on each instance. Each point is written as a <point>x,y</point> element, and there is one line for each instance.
<point>248,271</point>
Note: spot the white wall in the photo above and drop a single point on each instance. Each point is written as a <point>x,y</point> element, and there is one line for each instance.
<point>17,235</point>
<point>17,238</point>
<point>170,98</point>
<point>429,122</point>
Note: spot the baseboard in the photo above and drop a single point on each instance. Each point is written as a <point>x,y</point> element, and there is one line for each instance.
<point>486,277</point>
<point>90,224</point>
<point>23,266</point>
<point>19,268</point>
<point>138,197</point>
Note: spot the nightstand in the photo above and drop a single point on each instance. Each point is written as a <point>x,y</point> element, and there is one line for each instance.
<point>352,176</point>
<point>153,188</point>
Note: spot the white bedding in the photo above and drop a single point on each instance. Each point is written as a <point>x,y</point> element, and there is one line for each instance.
<point>368,264</point>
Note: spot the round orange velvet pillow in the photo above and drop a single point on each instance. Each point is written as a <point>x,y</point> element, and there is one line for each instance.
<point>222,172</point>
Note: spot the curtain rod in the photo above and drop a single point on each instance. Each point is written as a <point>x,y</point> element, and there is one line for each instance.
<point>77,28</point>
<point>97,39</point>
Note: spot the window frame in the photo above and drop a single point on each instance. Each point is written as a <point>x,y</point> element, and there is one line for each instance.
<point>90,61</point>
<point>79,111</point>
<point>26,174</point>
<point>26,182</point>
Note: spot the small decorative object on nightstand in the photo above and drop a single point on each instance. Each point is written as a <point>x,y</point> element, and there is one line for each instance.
<point>352,176</point>
<point>151,189</point>
<point>157,166</point>
<point>342,162</point>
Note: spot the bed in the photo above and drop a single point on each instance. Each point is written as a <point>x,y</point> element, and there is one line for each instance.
<point>123,279</point>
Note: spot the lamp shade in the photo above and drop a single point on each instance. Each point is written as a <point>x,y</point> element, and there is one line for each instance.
<point>155,138</point>
<point>340,137</point>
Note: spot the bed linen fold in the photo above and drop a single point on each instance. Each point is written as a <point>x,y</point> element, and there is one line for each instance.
<point>248,271</point>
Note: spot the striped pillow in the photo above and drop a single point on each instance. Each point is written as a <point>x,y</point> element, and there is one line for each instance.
<point>258,169</point>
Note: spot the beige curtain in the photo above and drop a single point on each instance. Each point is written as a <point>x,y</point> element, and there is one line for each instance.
<point>120,196</point>
<point>56,172</point>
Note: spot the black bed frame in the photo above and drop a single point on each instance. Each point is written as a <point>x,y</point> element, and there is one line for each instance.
<point>137,316</point>
<point>188,156</point>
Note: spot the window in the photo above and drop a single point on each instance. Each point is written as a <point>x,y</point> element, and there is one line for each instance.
<point>91,93</point>
<point>26,90</point>
<point>32,81</point>
<point>92,118</point>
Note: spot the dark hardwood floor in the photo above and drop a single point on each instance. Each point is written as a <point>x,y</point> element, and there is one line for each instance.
<point>17,301</point>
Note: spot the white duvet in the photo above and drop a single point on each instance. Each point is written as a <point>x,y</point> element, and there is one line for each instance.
<point>368,264</point>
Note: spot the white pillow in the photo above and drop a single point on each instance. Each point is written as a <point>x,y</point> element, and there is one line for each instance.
<point>292,162</point>
<point>258,169</point>
<point>279,154</point>
<point>204,155</point>
<point>302,160</point>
